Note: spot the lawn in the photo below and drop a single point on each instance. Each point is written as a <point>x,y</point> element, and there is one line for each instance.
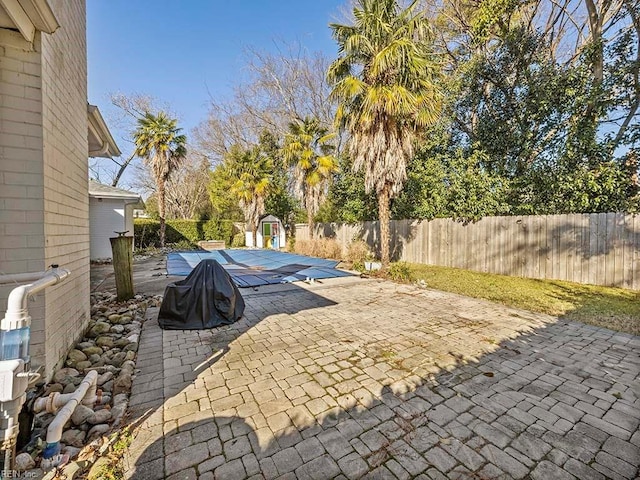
<point>614,308</point>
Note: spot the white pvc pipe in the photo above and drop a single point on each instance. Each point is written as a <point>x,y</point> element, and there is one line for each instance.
<point>54,432</point>
<point>17,301</point>
<point>55,400</point>
<point>21,277</point>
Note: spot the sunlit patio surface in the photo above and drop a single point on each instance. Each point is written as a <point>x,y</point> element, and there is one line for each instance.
<point>354,378</point>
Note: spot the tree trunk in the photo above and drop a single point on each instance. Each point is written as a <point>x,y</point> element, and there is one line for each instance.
<point>161,202</point>
<point>255,236</point>
<point>121,170</point>
<point>384,198</point>
<point>311,224</point>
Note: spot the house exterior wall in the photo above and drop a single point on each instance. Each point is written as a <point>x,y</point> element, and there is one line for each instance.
<point>22,170</point>
<point>107,216</point>
<point>66,185</point>
<point>44,205</point>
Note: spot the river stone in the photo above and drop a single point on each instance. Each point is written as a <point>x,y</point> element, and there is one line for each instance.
<point>81,414</point>
<point>97,431</point>
<point>63,373</point>
<point>76,356</point>
<point>104,378</point>
<point>117,413</point>
<point>54,387</point>
<point>117,329</point>
<point>99,328</point>
<point>84,345</point>
<point>133,338</point>
<point>131,354</point>
<point>84,365</point>
<point>94,359</point>
<point>118,358</point>
<point>108,386</point>
<point>125,319</point>
<point>120,399</point>
<point>114,318</point>
<point>122,383</point>
<point>121,342</point>
<point>92,350</point>
<point>104,342</point>
<point>24,461</point>
<point>71,451</point>
<point>128,367</point>
<point>69,388</point>
<point>101,416</point>
<point>74,437</point>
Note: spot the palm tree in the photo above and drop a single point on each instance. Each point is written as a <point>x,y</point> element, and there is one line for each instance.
<point>308,151</point>
<point>384,83</point>
<point>251,172</point>
<point>162,148</point>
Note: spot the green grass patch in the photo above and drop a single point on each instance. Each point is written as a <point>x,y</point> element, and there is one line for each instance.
<point>609,307</point>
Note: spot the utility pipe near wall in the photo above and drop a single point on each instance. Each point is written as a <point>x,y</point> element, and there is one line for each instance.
<point>85,393</point>
<point>15,335</point>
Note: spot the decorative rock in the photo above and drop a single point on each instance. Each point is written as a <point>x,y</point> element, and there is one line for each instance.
<point>117,413</point>
<point>131,354</point>
<point>84,345</point>
<point>98,329</point>
<point>24,461</point>
<point>69,388</point>
<point>128,367</point>
<point>104,378</point>
<point>121,342</point>
<point>97,431</point>
<point>124,319</point>
<point>117,329</point>
<point>54,387</point>
<point>76,356</point>
<point>83,365</point>
<point>75,438</point>
<point>115,318</point>
<point>122,383</point>
<point>64,373</point>
<point>92,350</point>
<point>108,386</point>
<point>118,358</point>
<point>133,338</point>
<point>81,414</point>
<point>101,416</point>
<point>120,399</point>
<point>95,358</point>
<point>104,342</point>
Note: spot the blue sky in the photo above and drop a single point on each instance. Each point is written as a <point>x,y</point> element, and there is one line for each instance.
<point>183,52</point>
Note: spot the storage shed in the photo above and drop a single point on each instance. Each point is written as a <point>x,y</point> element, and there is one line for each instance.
<point>271,234</point>
<point>110,211</point>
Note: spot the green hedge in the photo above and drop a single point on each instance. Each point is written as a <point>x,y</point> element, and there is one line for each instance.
<point>147,232</point>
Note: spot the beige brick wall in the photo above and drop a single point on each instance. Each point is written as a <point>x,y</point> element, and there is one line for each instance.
<point>66,199</point>
<point>44,203</point>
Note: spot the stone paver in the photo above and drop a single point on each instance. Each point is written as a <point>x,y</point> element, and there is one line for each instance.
<point>354,378</point>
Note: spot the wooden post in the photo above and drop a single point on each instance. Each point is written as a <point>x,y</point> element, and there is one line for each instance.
<point>122,248</point>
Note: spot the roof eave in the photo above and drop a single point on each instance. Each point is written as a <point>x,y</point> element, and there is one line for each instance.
<point>98,127</point>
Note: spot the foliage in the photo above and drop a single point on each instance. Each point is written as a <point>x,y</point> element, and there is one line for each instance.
<point>224,203</point>
<point>359,252</point>
<point>238,240</point>
<point>147,232</point>
<point>401,272</point>
<point>307,151</point>
<point>162,148</point>
<point>383,80</point>
<point>320,247</point>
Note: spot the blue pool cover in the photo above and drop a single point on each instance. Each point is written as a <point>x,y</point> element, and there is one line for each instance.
<point>252,268</point>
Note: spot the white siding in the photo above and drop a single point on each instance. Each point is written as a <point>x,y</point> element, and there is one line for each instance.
<point>107,216</point>
<point>44,204</point>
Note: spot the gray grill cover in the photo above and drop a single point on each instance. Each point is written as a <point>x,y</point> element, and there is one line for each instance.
<point>207,298</point>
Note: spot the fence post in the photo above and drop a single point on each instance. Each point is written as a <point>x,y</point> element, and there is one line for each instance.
<point>122,248</point>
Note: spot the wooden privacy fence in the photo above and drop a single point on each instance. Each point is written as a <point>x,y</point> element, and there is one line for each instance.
<point>598,248</point>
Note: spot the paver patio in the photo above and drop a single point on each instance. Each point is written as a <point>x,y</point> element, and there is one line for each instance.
<point>353,378</point>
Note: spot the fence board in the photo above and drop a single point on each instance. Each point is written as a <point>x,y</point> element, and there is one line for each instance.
<point>602,249</point>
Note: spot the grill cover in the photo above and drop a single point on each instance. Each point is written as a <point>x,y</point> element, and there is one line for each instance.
<point>207,298</point>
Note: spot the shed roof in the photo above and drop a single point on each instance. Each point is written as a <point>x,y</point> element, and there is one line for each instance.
<point>99,190</point>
